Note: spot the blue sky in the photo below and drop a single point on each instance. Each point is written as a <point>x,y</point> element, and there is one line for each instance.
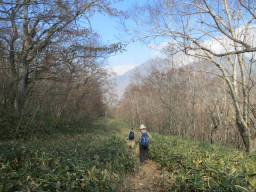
<point>111,31</point>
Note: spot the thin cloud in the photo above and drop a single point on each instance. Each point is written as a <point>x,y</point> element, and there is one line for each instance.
<point>120,69</point>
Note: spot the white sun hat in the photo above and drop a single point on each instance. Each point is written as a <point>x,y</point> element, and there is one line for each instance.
<point>142,126</point>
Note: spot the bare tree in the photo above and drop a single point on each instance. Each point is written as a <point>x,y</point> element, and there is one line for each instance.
<point>219,32</point>
<point>28,27</point>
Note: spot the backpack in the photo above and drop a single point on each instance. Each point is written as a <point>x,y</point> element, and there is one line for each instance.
<point>145,140</point>
<point>131,135</point>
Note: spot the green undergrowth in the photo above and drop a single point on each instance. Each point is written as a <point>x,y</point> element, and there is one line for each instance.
<point>193,166</point>
<point>96,160</point>
<point>106,126</point>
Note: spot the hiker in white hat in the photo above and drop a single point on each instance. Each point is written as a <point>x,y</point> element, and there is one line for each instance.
<point>144,141</point>
<point>142,126</point>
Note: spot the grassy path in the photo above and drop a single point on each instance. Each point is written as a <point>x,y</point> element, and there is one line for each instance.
<point>148,178</point>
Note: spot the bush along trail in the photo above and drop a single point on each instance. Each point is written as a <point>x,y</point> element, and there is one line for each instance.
<point>192,166</point>
<point>95,160</point>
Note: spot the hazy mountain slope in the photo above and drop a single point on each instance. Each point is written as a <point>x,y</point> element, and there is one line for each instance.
<point>123,81</point>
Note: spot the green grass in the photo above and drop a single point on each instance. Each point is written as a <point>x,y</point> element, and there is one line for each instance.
<point>94,160</point>
<point>94,157</point>
<point>194,166</point>
<point>109,127</point>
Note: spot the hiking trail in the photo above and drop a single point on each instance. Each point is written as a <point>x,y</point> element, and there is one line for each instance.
<point>148,178</point>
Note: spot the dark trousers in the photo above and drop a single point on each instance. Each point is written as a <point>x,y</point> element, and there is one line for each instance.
<point>143,154</point>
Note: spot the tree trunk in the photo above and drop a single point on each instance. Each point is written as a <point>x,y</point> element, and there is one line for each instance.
<point>22,90</point>
<point>252,145</point>
<point>249,138</point>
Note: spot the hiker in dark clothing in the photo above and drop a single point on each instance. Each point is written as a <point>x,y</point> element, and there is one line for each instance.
<point>144,139</point>
<point>131,139</point>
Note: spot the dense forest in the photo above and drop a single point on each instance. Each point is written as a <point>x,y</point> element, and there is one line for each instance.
<point>63,127</point>
<point>51,65</point>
